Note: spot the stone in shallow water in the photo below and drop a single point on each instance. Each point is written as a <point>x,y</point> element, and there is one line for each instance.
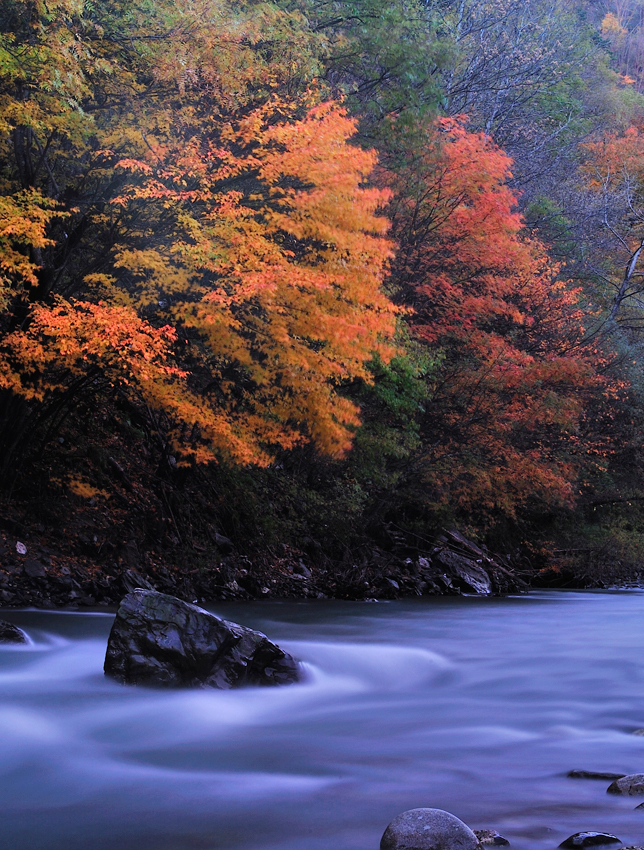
<point>428,829</point>
<point>160,641</point>
<point>589,839</point>
<point>632,784</point>
<point>11,634</point>
<point>490,836</point>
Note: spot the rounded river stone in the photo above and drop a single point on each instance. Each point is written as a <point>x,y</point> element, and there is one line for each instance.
<point>633,784</point>
<point>428,829</point>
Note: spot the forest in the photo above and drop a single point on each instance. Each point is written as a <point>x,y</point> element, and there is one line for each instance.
<point>307,288</point>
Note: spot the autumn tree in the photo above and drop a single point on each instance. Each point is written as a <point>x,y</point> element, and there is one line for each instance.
<point>502,428</point>
<point>184,219</point>
<point>190,223</point>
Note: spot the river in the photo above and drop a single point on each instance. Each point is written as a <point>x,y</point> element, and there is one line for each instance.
<point>477,706</point>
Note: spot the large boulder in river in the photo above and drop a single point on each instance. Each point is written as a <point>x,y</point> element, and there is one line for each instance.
<point>159,640</point>
<point>428,829</point>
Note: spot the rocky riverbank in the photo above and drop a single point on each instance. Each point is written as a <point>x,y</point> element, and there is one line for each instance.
<point>34,574</point>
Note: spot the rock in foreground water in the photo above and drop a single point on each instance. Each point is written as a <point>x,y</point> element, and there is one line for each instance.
<point>11,634</point>
<point>428,829</point>
<point>589,839</point>
<point>632,784</point>
<point>160,641</point>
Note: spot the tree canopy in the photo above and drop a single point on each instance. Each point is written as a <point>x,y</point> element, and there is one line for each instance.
<point>403,238</point>
<point>186,217</point>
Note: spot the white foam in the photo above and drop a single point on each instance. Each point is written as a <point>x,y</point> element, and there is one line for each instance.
<point>374,666</point>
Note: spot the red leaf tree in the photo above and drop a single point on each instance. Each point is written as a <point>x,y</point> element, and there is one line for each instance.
<point>504,424</point>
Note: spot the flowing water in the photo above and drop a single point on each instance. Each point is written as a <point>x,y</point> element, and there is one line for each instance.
<point>477,706</point>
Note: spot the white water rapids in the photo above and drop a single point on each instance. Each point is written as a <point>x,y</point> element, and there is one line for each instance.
<point>477,706</point>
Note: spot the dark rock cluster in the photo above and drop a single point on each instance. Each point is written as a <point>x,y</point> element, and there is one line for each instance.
<point>33,575</point>
<point>454,566</point>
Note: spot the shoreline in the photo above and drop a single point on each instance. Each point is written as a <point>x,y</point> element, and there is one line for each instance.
<point>34,575</point>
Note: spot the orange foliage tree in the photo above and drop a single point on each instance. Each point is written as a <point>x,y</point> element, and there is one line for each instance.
<point>504,425</point>
<point>183,218</point>
<point>274,273</point>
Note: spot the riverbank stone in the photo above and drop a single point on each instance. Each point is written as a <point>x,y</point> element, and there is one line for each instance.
<point>428,829</point>
<point>632,785</point>
<point>161,641</point>
<point>469,576</point>
<point>11,634</point>
<point>589,839</point>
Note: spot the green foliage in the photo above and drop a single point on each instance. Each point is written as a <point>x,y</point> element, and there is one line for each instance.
<point>384,57</point>
<point>545,219</point>
<point>393,408</point>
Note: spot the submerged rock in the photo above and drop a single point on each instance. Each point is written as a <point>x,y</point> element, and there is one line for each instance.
<point>11,634</point>
<point>589,839</point>
<point>160,641</point>
<point>428,829</point>
<point>633,784</point>
<point>593,774</point>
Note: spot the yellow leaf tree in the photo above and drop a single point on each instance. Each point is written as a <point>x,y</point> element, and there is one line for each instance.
<point>184,218</point>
